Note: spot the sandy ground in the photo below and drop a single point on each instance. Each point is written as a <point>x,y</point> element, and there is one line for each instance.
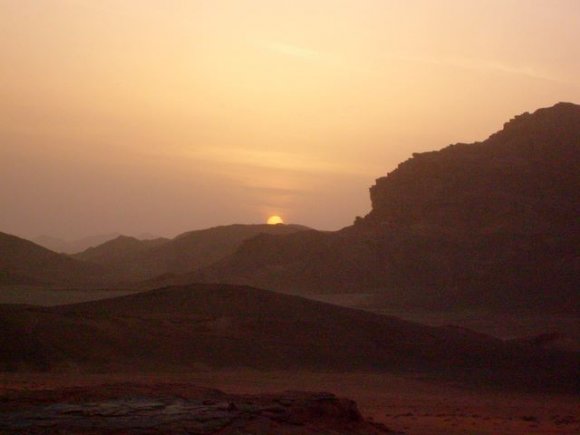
<point>410,404</point>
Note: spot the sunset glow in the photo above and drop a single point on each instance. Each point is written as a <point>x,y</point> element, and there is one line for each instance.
<point>226,108</point>
<point>274,220</point>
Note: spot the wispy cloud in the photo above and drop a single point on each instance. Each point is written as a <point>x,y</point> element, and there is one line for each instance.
<point>467,63</point>
<point>273,160</point>
<point>324,58</point>
<point>488,65</point>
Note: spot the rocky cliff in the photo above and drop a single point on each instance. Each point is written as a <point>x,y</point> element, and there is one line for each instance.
<point>524,178</point>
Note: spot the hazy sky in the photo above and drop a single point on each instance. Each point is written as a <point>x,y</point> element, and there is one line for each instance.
<point>165,116</point>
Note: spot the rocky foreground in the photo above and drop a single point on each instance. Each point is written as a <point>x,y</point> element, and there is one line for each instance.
<point>178,408</point>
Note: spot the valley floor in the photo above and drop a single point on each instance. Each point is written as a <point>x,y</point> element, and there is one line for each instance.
<point>413,405</point>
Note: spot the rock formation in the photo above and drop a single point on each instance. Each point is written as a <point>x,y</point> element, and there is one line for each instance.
<point>180,408</point>
<point>523,179</point>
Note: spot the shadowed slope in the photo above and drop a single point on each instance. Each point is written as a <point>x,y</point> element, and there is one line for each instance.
<point>227,326</point>
<point>132,259</point>
<point>24,262</point>
<point>119,252</point>
<point>73,246</point>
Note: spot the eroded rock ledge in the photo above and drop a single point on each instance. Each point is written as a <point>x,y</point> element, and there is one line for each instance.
<point>179,408</point>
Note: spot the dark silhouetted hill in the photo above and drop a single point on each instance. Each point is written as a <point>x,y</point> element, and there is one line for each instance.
<point>523,179</point>
<point>24,262</point>
<point>493,223</point>
<point>119,251</point>
<point>132,259</point>
<point>231,326</point>
<point>74,246</point>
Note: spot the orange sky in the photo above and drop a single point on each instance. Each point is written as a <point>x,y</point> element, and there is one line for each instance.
<point>166,116</point>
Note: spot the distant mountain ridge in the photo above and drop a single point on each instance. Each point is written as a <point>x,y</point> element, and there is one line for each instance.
<point>73,246</point>
<point>492,223</point>
<point>126,261</point>
<point>119,250</point>
<point>130,259</point>
<point>24,262</point>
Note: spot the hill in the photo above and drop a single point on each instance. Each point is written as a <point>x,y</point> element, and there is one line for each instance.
<point>132,259</point>
<point>493,223</point>
<point>119,252</point>
<point>73,246</point>
<point>24,262</point>
<point>180,328</point>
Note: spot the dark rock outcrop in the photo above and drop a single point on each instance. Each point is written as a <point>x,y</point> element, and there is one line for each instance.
<point>138,409</point>
<point>523,179</point>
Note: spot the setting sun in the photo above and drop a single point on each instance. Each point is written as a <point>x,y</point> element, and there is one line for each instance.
<point>274,220</point>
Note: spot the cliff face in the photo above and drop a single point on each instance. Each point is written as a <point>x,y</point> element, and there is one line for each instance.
<point>524,179</point>
<point>489,222</point>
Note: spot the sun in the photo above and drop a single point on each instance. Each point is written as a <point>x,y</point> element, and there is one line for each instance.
<point>274,220</point>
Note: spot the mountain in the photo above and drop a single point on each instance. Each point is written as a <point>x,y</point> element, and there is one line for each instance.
<point>132,259</point>
<point>523,179</point>
<point>231,326</point>
<point>73,246</point>
<point>492,223</point>
<point>52,243</point>
<point>119,251</point>
<point>24,262</point>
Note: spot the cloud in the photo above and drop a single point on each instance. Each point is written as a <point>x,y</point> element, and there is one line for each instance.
<point>326,59</point>
<point>483,65</point>
<point>267,159</point>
